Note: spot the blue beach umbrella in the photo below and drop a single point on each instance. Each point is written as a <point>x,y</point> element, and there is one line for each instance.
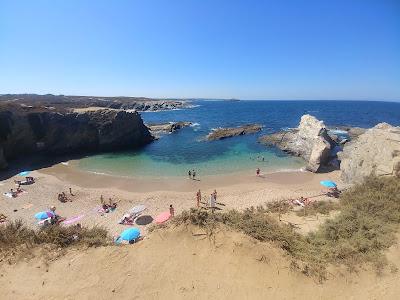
<point>328,183</point>
<point>128,235</point>
<point>44,215</point>
<point>24,173</point>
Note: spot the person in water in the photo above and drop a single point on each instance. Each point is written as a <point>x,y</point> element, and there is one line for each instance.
<point>198,197</point>
<point>194,174</point>
<point>171,211</point>
<point>190,174</point>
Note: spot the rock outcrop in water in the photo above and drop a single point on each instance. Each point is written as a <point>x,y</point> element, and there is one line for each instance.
<point>157,129</point>
<point>29,130</point>
<point>222,133</point>
<point>310,140</point>
<point>377,151</point>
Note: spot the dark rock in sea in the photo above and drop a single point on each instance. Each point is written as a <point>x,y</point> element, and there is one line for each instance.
<point>158,129</point>
<point>222,133</point>
<point>25,131</point>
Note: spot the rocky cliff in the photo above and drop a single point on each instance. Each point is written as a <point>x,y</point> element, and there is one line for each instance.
<point>377,151</point>
<point>310,140</point>
<point>25,131</point>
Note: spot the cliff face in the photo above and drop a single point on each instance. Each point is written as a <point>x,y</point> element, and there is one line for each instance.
<point>28,132</point>
<point>377,151</point>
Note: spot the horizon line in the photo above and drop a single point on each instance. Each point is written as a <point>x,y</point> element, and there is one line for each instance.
<point>209,98</point>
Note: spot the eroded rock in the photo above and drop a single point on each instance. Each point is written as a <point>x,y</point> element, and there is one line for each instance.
<point>377,151</point>
<point>309,140</point>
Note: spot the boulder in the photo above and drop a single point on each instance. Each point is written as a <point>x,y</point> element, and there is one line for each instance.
<point>377,151</point>
<point>309,140</point>
<point>222,133</point>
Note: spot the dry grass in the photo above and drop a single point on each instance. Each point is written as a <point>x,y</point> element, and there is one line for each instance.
<point>370,214</point>
<point>17,234</point>
<point>318,207</point>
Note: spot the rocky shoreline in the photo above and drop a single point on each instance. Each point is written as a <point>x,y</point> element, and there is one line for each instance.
<point>62,102</point>
<point>357,152</point>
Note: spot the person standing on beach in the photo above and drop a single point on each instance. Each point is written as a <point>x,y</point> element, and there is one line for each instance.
<point>171,211</point>
<point>190,174</point>
<point>215,195</point>
<point>258,171</point>
<point>194,174</point>
<point>198,197</point>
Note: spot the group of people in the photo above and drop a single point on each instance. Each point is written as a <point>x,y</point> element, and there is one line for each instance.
<point>107,207</point>
<point>15,193</point>
<point>333,192</point>
<point>62,197</point>
<point>212,202</point>
<point>192,174</point>
<point>54,219</point>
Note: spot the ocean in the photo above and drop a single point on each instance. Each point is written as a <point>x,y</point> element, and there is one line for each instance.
<point>186,149</point>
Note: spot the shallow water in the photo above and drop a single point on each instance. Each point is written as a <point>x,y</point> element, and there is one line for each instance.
<point>174,154</point>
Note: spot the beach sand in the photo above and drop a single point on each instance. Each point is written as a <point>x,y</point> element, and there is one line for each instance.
<point>235,191</point>
<point>174,262</point>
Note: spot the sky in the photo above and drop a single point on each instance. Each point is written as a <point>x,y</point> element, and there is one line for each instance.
<point>283,49</point>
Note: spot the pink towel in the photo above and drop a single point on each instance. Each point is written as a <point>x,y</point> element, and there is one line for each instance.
<point>72,220</point>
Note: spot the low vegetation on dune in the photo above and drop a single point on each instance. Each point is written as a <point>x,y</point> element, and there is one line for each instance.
<point>366,225</point>
<point>318,207</point>
<point>16,234</point>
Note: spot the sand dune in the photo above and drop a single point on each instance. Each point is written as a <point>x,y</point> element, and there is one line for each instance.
<point>181,263</point>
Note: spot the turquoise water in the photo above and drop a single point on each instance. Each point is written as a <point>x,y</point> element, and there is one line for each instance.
<point>236,159</point>
<point>174,154</point>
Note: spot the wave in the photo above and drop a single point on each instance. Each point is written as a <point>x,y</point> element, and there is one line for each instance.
<point>289,170</point>
<point>195,125</point>
<point>65,163</point>
<point>99,173</point>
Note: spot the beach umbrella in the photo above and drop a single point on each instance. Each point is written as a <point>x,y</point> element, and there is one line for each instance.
<point>24,173</point>
<point>163,217</point>
<point>137,209</point>
<point>128,235</point>
<point>44,215</point>
<point>328,183</point>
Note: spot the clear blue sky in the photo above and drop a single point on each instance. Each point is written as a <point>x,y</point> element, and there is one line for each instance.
<point>202,48</point>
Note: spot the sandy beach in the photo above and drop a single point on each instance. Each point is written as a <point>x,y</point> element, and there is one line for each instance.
<point>236,191</point>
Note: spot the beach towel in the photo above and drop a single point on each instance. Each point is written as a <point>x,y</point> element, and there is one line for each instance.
<point>9,195</point>
<point>73,220</point>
